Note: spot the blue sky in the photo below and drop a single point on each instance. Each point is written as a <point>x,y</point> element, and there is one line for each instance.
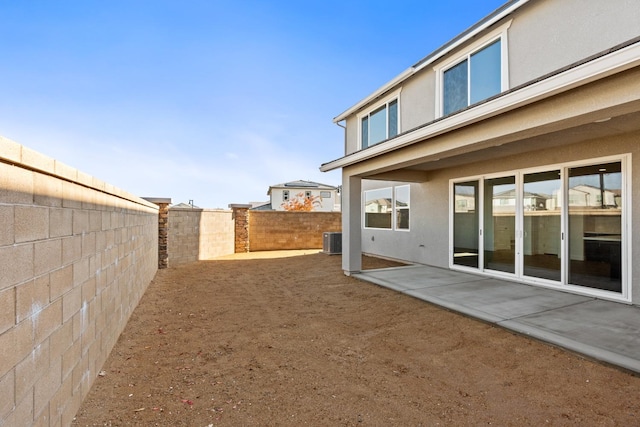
<point>211,101</point>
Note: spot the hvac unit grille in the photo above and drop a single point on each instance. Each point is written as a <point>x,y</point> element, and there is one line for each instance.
<point>332,243</point>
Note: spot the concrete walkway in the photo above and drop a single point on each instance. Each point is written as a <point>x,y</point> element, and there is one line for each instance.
<point>603,330</point>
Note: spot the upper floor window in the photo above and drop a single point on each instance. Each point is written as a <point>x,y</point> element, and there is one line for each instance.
<point>285,195</point>
<point>307,194</point>
<point>476,78</point>
<point>479,74</point>
<point>381,122</point>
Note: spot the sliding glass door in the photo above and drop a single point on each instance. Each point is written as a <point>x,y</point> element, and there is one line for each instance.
<point>556,226</point>
<point>500,224</point>
<point>466,224</point>
<point>542,225</point>
<point>595,226</point>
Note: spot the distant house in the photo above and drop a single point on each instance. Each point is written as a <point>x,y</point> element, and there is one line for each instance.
<point>261,206</point>
<point>511,151</point>
<point>326,197</point>
<point>184,206</point>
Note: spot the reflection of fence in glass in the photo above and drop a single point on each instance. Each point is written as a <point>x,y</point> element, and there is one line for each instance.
<point>595,226</point>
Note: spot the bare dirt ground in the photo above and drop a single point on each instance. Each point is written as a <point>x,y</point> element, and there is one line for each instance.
<point>292,341</point>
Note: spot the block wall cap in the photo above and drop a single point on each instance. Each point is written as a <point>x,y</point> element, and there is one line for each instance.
<point>158,200</point>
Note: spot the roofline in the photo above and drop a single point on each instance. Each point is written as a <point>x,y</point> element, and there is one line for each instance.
<point>462,38</point>
<point>600,66</point>
<point>317,185</point>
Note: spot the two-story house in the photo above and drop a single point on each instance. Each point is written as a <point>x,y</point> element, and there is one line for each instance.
<point>541,97</point>
<point>325,198</point>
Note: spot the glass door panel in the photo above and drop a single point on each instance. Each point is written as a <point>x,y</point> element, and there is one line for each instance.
<point>542,218</point>
<point>500,224</point>
<point>465,224</point>
<point>595,226</point>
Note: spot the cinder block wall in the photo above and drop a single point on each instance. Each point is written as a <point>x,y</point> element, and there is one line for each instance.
<point>76,255</point>
<point>199,234</point>
<point>277,230</point>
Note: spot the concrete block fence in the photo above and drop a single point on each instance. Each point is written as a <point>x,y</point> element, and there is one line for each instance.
<point>281,230</point>
<point>201,234</point>
<point>198,234</point>
<point>76,255</point>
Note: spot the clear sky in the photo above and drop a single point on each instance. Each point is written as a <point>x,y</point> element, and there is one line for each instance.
<point>205,100</point>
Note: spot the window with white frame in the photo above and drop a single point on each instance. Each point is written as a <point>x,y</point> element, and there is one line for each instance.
<point>480,73</point>
<point>381,122</point>
<point>378,208</point>
<point>401,202</point>
<point>307,194</point>
<point>387,208</point>
<point>285,195</point>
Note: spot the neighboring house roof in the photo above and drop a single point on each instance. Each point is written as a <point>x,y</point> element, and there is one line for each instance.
<point>302,184</point>
<point>184,206</point>
<point>261,206</point>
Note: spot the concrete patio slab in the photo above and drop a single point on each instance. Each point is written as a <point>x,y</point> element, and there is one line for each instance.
<point>604,330</point>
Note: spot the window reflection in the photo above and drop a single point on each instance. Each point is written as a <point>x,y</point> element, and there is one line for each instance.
<point>500,224</point>
<point>595,226</point>
<point>378,208</point>
<point>465,224</point>
<point>541,226</point>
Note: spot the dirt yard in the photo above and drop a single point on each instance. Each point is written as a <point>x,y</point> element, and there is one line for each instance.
<point>292,341</point>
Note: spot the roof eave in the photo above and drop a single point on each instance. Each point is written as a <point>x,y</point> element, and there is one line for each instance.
<point>602,67</point>
<point>471,32</point>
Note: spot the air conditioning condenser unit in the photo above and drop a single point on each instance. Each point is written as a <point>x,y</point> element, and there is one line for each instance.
<point>332,243</point>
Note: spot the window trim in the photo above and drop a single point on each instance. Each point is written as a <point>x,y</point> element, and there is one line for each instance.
<point>499,33</point>
<point>395,95</point>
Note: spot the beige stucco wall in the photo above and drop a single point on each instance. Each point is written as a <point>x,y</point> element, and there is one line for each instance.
<point>199,234</point>
<point>76,255</point>
<point>548,35</point>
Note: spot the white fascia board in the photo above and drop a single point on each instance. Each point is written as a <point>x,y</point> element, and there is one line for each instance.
<point>431,59</point>
<point>602,67</point>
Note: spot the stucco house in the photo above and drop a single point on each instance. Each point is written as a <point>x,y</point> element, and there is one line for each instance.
<point>326,197</point>
<point>512,151</point>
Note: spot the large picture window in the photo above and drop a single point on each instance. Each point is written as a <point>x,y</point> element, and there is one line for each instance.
<point>387,208</point>
<point>378,208</point>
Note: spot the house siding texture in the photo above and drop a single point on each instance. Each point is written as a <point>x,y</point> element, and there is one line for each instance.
<point>76,255</point>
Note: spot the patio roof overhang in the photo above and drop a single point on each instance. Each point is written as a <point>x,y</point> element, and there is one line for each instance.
<point>594,99</point>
